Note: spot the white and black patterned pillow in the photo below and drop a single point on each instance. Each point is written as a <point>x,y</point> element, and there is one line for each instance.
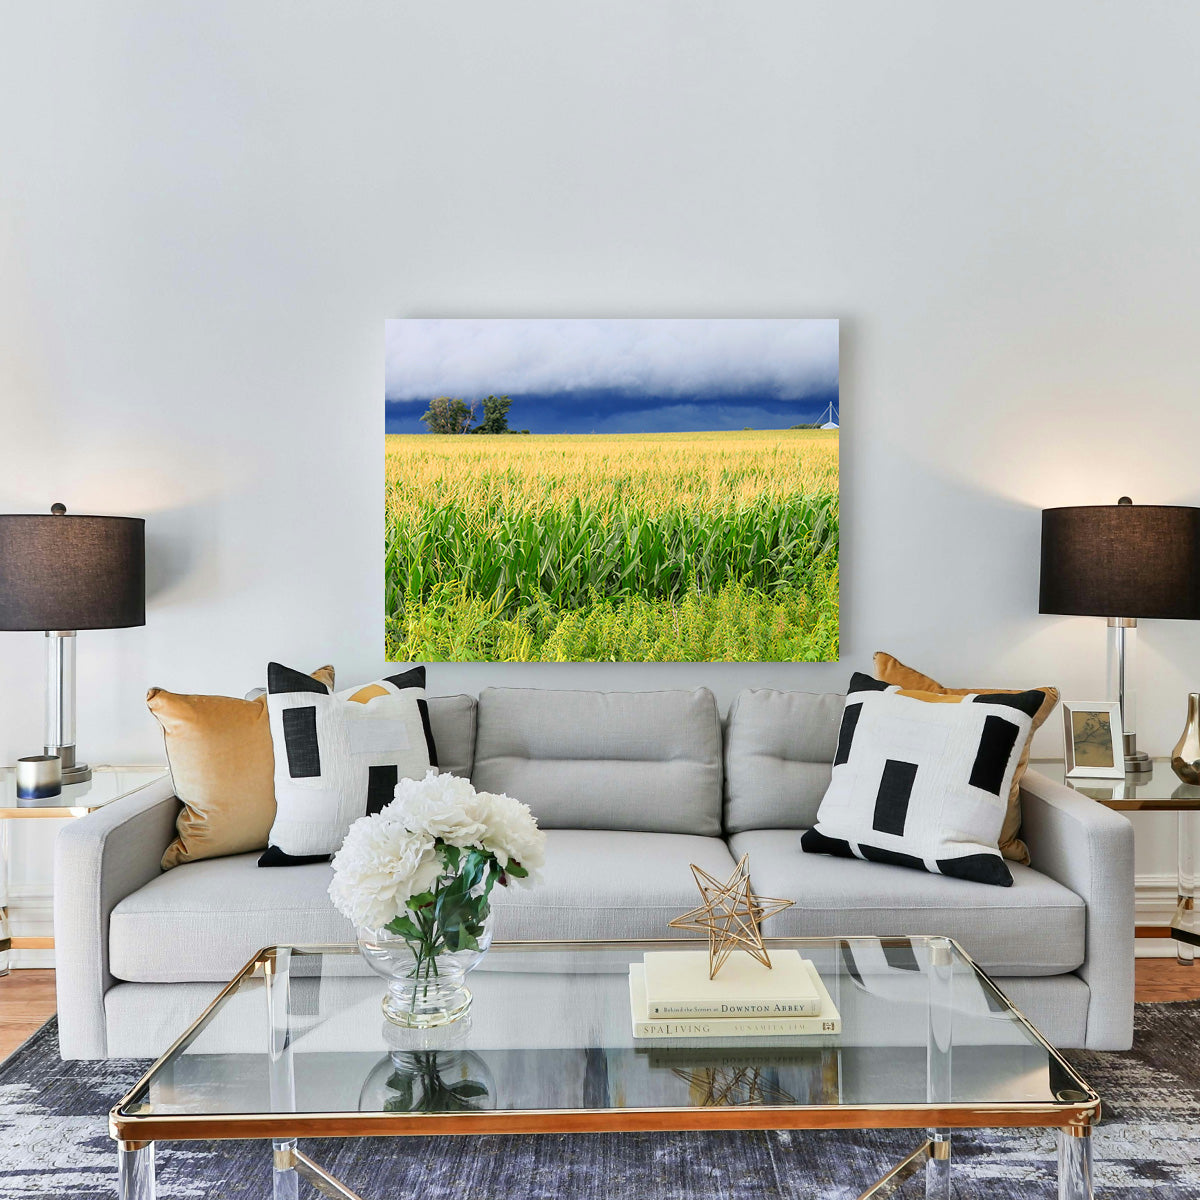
<point>922,781</point>
<point>338,756</point>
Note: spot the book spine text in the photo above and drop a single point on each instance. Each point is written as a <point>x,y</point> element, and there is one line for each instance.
<point>738,1009</point>
<point>727,1027</point>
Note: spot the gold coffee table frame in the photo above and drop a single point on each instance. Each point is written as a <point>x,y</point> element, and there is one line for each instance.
<point>137,1130</point>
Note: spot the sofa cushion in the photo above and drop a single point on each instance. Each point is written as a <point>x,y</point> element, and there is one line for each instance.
<point>202,921</point>
<point>892,670</point>
<point>779,749</point>
<point>609,884</point>
<point>646,761</point>
<point>1035,927</point>
<point>222,765</point>
<point>338,755</point>
<point>921,779</point>
<point>452,719</point>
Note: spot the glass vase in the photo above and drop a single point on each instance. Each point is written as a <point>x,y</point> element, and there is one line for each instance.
<point>422,991</point>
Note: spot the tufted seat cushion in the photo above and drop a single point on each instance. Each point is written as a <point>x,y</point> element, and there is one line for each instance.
<point>202,921</point>
<point>1035,927</point>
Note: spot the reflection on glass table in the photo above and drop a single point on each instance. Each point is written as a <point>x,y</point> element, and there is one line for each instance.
<point>297,1046</point>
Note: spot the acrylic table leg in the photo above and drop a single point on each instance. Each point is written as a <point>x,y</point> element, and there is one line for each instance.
<point>285,1182</point>
<point>1185,952</point>
<point>135,1170</point>
<point>939,1060</point>
<point>281,1070</point>
<point>937,1167</point>
<point>1075,1164</point>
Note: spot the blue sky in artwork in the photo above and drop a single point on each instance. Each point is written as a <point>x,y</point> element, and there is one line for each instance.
<point>617,376</point>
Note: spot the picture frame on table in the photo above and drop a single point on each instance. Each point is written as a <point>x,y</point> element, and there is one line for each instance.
<point>1094,739</point>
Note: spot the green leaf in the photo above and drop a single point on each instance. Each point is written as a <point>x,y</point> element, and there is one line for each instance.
<point>464,940</point>
<point>405,928</point>
<point>474,863</point>
<point>402,1085</point>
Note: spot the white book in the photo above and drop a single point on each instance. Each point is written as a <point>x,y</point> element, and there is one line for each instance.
<point>677,985</point>
<point>829,1022</point>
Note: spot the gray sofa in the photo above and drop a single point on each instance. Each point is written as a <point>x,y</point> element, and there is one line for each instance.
<point>632,787</point>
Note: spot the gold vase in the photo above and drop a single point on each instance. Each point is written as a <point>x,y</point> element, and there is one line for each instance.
<point>1185,758</point>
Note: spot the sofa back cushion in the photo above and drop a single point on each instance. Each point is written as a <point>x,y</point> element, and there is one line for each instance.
<point>648,761</point>
<point>452,719</point>
<point>779,749</point>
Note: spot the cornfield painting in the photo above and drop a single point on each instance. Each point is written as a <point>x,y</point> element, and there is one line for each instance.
<point>611,490</point>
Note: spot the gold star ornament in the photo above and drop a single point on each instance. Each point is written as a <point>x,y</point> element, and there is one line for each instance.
<point>721,1087</point>
<point>730,915</point>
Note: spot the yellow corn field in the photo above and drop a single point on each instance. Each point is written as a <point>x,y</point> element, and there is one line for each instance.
<point>578,547</point>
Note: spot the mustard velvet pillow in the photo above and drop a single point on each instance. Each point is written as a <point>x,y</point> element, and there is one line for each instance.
<point>222,764</point>
<point>893,671</point>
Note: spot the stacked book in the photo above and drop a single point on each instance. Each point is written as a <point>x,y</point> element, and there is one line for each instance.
<point>671,995</point>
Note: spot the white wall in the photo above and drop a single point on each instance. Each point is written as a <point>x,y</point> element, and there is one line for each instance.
<point>208,209</point>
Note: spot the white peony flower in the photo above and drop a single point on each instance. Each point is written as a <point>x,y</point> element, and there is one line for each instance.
<point>513,833</point>
<point>379,867</point>
<point>442,806</point>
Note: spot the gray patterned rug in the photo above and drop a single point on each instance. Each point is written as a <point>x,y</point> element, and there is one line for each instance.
<point>53,1142</point>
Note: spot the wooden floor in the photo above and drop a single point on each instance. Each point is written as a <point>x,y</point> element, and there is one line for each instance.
<point>1161,979</point>
<point>26,1003</point>
<point>27,997</point>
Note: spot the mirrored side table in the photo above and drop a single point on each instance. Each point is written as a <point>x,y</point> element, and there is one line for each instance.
<point>77,799</point>
<point>1160,790</point>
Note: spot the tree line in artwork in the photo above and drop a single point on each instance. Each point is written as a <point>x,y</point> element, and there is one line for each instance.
<point>450,414</point>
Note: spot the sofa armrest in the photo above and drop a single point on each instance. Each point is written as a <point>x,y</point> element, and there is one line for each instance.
<point>98,860</point>
<point>1089,849</point>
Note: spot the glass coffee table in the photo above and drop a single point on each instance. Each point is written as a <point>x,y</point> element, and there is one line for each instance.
<point>297,1047</point>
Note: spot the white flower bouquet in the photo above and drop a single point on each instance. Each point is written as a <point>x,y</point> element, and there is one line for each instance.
<point>422,870</point>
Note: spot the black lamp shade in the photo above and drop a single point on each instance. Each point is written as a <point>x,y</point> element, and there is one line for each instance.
<point>68,572</point>
<point>1121,560</point>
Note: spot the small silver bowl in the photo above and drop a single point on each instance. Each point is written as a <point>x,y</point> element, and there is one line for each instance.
<point>39,777</point>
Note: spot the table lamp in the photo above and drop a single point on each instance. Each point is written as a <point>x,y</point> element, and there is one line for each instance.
<point>1122,561</point>
<point>62,573</point>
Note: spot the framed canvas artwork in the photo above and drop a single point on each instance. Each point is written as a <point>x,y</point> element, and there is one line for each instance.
<point>611,490</point>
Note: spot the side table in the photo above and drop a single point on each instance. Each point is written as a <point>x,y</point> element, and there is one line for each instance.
<point>106,785</point>
<point>1160,790</point>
